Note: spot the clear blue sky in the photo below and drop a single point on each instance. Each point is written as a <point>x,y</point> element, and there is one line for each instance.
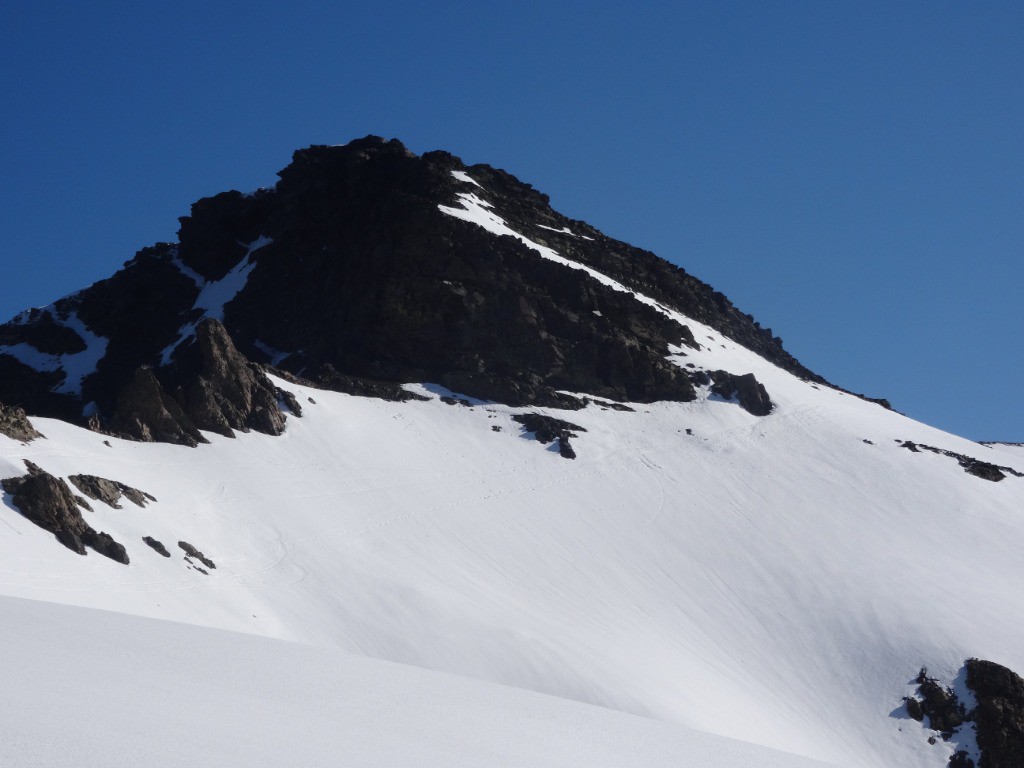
<point>850,173</point>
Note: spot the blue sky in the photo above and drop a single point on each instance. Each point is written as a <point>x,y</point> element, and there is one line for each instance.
<point>852,174</point>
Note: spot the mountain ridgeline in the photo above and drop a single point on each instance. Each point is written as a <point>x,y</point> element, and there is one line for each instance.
<point>347,271</point>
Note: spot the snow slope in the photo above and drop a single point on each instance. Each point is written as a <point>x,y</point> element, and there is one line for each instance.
<point>141,692</point>
<point>776,581</point>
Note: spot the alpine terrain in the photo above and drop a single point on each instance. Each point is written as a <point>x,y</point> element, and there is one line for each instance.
<point>393,464</point>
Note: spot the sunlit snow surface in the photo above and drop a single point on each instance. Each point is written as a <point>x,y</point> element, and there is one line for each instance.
<point>778,580</point>
<point>130,691</point>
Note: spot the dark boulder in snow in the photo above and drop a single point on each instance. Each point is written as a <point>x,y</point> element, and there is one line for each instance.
<point>104,544</point>
<point>48,502</point>
<point>191,551</point>
<point>289,401</point>
<point>109,491</point>
<point>546,429</point>
<point>156,546</point>
<point>746,389</point>
<point>15,424</point>
<point>972,466</point>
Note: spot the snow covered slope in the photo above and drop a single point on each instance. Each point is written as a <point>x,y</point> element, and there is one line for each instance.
<point>773,580</point>
<point>138,692</point>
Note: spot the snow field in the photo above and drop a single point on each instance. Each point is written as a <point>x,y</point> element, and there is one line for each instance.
<point>775,581</point>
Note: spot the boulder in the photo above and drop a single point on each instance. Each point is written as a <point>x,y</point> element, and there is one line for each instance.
<point>48,502</point>
<point>109,491</point>
<point>747,390</point>
<point>157,546</point>
<point>15,424</point>
<point>191,551</point>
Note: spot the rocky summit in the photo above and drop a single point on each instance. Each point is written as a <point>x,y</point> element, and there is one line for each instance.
<point>353,264</point>
<point>398,409</point>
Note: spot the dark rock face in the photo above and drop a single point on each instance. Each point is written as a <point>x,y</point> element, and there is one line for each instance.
<point>156,545</point>
<point>109,491</point>
<point>225,391</point>
<point>191,551</point>
<point>750,393</point>
<point>49,503</point>
<point>545,429</point>
<point>210,386</point>
<point>999,714</point>
<point>144,411</point>
<point>15,424</point>
<point>360,270</point>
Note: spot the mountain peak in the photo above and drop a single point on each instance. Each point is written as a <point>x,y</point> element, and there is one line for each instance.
<point>388,266</point>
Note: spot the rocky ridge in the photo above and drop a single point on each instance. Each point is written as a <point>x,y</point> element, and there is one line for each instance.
<point>347,274</point>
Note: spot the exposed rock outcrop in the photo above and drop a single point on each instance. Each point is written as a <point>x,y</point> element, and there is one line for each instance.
<point>970,465</point>
<point>144,411</point>
<point>546,429</point>
<point>746,389</point>
<point>210,386</point>
<point>157,546</point>
<point>361,279</point>
<point>286,398</point>
<point>48,502</point>
<point>109,491</point>
<point>15,424</point>
<point>191,551</point>
<point>997,715</point>
<point>226,392</point>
